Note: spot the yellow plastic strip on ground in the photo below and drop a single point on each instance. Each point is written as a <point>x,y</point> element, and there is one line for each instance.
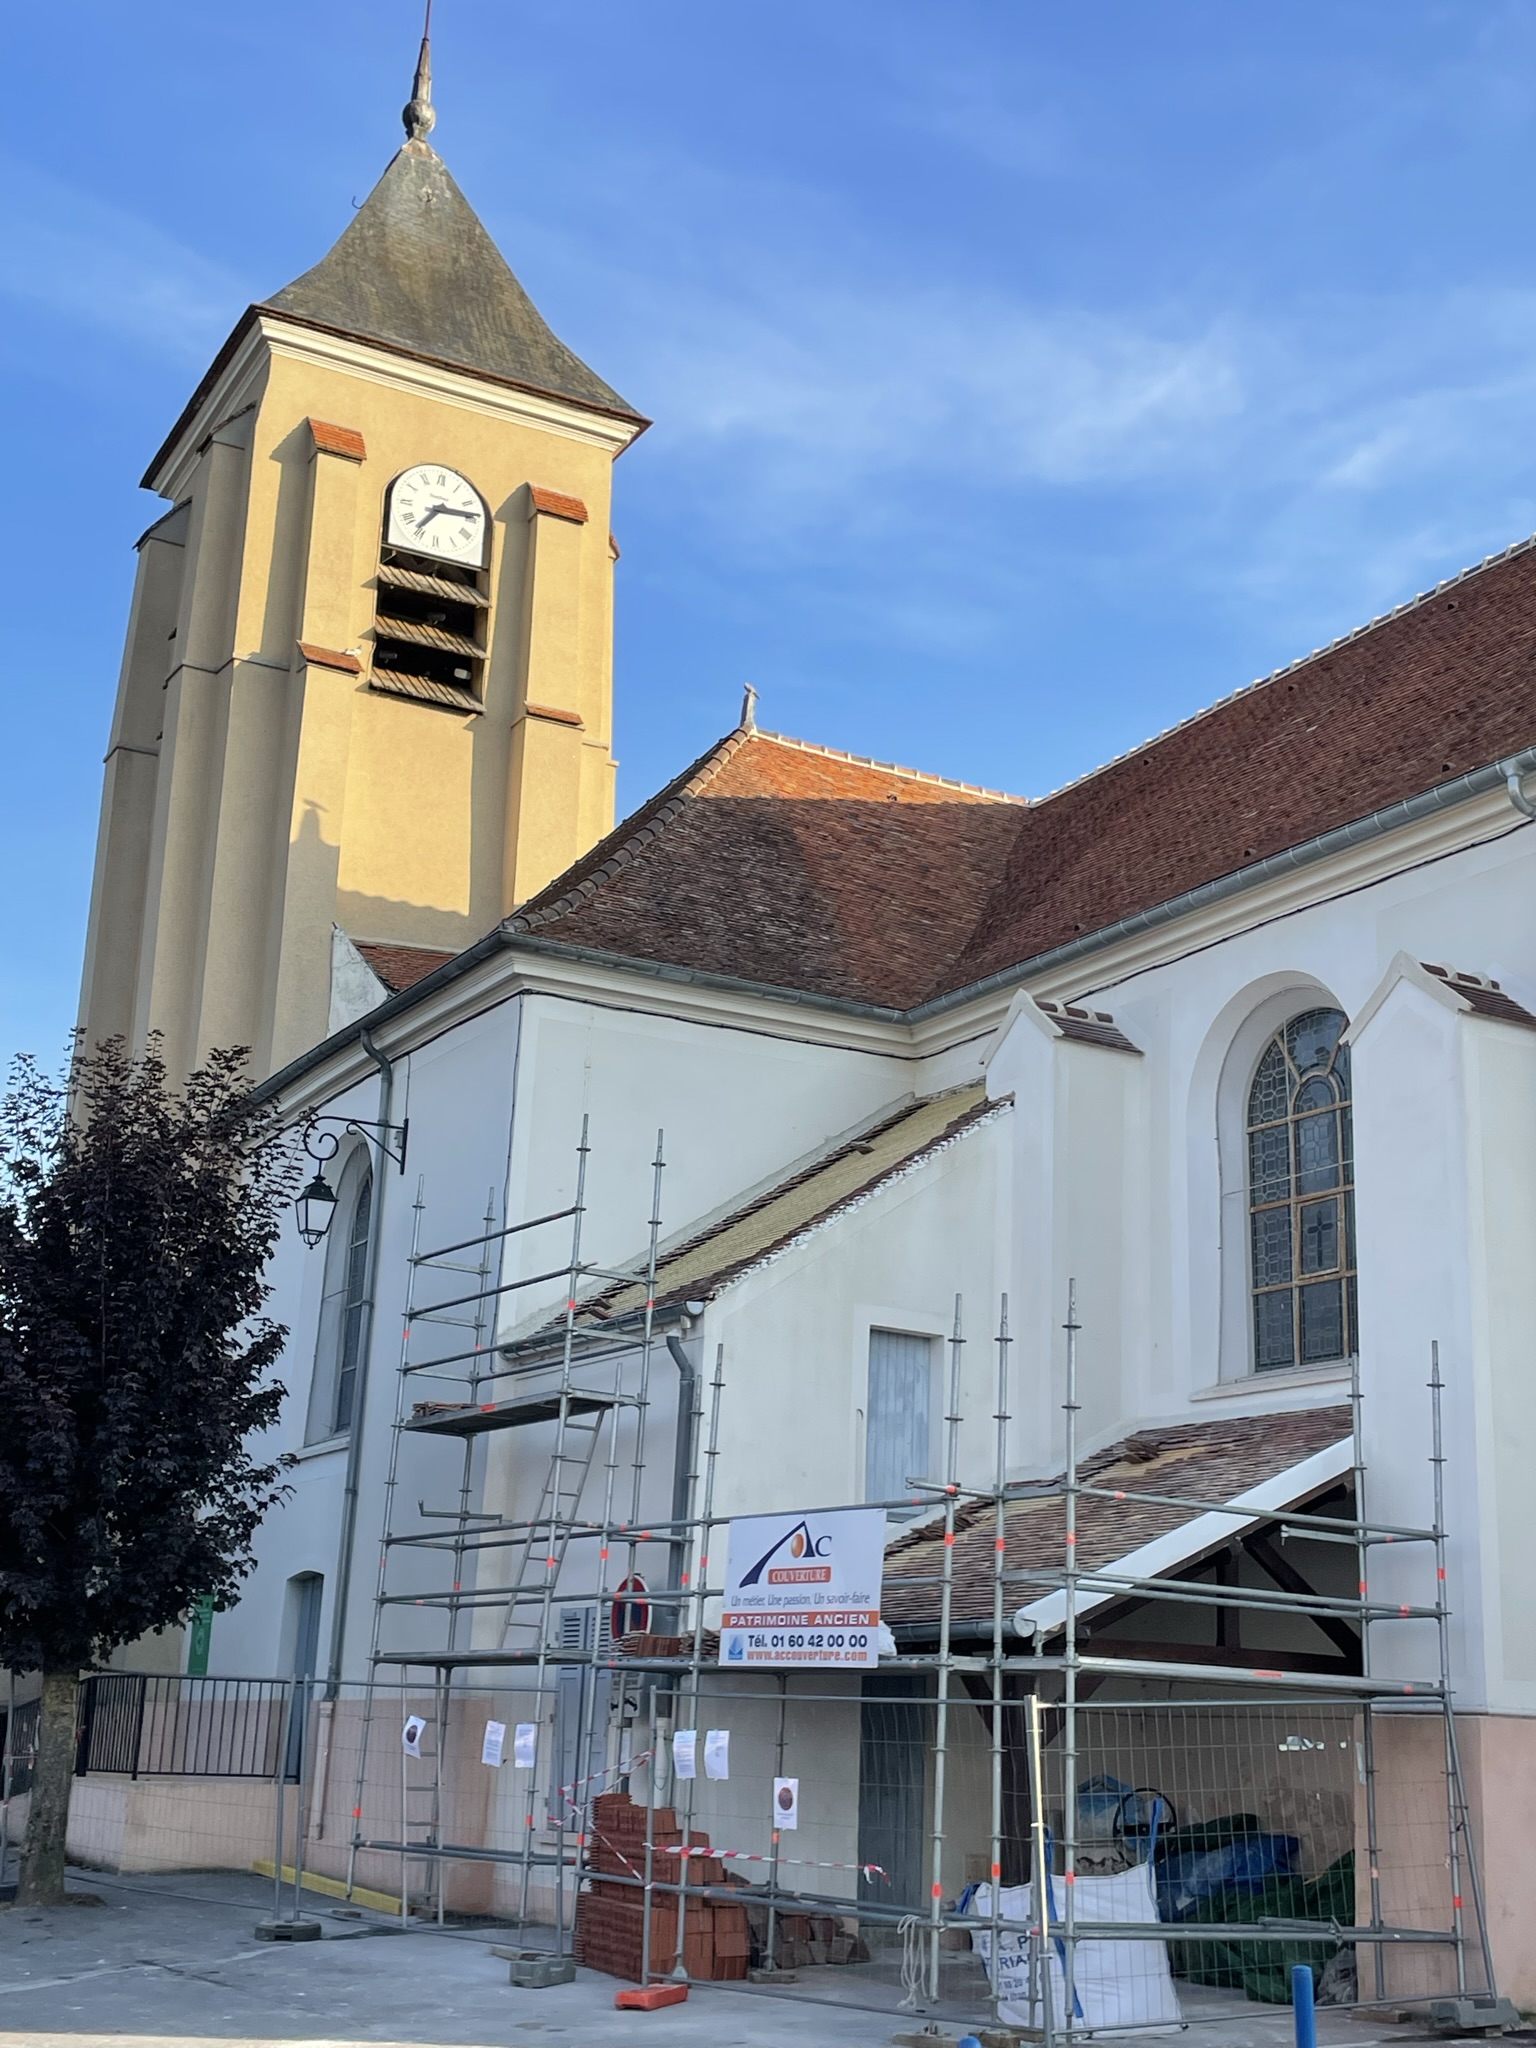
<point>335,1888</point>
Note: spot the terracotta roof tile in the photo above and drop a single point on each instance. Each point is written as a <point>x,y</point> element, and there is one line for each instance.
<point>790,865</point>
<point>1436,688</point>
<point>334,440</point>
<point>558,504</point>
<point>400,967</point>
<point>330,657</point>
<point>783,864</point>
<point>1485,998</point>
<point>1200,1461</point>
<point>1088,1027</point>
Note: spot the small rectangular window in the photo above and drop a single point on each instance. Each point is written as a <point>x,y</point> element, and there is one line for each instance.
<point>898,1430</point>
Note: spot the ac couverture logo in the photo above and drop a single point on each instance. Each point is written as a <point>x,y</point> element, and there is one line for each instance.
<point>805,1553</point>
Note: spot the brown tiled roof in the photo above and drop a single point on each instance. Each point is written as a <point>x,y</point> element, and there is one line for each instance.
<point>399,967</point>
<point>1437,688</point>
<point>794,866</point>
<point>1195,1461</point>
<point>791,866</point>
<point>1485,998</point>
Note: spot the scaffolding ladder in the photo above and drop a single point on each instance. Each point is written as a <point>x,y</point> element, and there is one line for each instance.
<point>529,1632</point>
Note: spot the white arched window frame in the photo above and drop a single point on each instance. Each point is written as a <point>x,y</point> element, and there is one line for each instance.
<point>1245,1036</point>
<point>343,1304</point>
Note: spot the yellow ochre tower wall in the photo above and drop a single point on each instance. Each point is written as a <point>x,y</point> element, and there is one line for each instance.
<point>266,780</point>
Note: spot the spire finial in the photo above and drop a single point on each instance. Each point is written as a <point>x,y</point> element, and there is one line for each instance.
<point>419,114</point>
<point>749,709</point>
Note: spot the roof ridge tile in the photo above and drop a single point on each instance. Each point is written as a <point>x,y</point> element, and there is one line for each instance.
<point>1002,796</point>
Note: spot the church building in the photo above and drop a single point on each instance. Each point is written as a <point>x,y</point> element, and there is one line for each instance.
<point>1235,1036</point>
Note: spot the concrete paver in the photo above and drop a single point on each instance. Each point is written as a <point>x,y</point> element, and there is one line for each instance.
<point>174,1964</point>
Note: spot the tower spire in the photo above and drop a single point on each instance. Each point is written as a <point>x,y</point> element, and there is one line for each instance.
<point>419,114</point>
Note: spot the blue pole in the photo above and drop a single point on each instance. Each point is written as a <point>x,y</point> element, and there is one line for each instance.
<point>1306,2012</point>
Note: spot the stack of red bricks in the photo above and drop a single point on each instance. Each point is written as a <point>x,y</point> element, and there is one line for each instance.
<point>610,1916</point>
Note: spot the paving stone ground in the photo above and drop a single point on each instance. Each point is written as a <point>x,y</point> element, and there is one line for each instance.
<point>174,1963</point>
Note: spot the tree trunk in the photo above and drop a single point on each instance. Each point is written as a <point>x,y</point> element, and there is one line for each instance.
<point>42,1853</point>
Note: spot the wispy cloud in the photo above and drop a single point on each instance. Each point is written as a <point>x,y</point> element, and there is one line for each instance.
<point>874,384</point>
<point>105,267</point>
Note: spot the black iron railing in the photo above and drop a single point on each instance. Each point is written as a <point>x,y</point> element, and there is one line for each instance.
<point>144,1726</point>
<point>19,1751</point>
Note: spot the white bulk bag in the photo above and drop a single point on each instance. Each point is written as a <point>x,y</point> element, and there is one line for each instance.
<point>1114,1983</point>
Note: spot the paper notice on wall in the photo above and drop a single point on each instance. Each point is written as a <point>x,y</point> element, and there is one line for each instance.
<point>525,1745</point>
<point>803,1589</point>
<point>491,1747</point>
<point>717,1753</point>
<point>411,1734</point>
<point>685,1745</point>
<point>786,1802</point>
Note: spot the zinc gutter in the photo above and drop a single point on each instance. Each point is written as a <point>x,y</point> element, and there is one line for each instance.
<point>385,1013</point>
<point>1377,824</point>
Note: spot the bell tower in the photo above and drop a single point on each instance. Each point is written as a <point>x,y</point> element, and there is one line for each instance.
<point>367,687</point>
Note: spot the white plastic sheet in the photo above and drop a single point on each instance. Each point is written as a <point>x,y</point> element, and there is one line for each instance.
<point>1115,1983</point>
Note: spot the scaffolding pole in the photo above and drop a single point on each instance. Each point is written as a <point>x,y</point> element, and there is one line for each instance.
<point>977,1647</point>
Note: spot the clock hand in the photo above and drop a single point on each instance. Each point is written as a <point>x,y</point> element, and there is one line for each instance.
<point>451,512</point>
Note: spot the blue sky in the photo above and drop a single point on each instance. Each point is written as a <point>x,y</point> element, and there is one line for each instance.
<point>1025,377</point>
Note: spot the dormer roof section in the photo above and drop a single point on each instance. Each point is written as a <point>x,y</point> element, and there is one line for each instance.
<point>416,271</point>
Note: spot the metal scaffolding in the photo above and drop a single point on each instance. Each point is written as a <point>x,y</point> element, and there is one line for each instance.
<point>585,1369</point>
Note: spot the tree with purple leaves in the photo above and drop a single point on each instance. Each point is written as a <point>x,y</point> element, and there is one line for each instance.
<point>136,1372</point>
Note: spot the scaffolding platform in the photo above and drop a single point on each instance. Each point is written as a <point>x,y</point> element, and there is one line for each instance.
<point>477,1419</point>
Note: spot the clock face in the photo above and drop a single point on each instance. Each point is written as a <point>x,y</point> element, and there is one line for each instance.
<point>434,512</point>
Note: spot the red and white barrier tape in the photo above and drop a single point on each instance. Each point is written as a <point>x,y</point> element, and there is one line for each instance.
<point>869,1870</point>
<point>565,1792</point>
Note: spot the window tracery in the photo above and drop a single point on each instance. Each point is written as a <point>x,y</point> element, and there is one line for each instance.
<point>1301,1220</point>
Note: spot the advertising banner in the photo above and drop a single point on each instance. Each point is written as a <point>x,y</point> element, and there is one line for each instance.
<point>803,1590</point>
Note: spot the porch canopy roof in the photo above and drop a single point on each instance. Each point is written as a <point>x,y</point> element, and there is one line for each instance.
<point>1213,1482</point>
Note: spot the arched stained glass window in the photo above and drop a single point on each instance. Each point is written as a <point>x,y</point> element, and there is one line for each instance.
<point>1301,1201</point>
<point>343,1305</point>
<point>355,1285</point>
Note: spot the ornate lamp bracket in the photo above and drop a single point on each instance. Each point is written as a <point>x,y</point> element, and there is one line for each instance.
<point>389,1139</point>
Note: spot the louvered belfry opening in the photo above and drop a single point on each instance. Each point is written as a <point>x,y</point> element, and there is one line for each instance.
<point>429,631</point>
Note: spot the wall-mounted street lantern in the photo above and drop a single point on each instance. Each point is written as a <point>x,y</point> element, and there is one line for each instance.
<point>314,1209</point>
<point>317,1204</point>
